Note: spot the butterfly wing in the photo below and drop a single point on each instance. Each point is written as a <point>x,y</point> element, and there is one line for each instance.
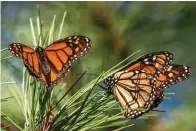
<point>62,53</point>
<point>174,74</point>
<point>152,63</point>
<point>29,57</point>
<point>134,92</point>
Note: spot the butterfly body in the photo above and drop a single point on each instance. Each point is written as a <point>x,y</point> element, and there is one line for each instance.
<point>45,67</point>
<point>51,64</point>
<point>42,60</point>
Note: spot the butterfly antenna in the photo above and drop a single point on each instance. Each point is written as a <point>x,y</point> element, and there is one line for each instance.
<point>159,110</point>
<point>61,98</point>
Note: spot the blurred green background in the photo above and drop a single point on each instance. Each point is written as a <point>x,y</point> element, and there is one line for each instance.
<point>117,29</point>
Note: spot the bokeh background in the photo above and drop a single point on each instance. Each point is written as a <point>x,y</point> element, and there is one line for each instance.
<point>117,29</point>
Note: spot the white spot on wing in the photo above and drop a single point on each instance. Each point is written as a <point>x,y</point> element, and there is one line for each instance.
<point>145,59</point>
<point>86,39</point>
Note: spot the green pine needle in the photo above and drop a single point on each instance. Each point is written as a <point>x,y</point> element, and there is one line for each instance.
<point>61,25</point>
<point>6,99</point>
<point>119,129</point>
<point>2,83</point>
<point>33,32</point>
<point>6,58</point>
<point>4,49</point>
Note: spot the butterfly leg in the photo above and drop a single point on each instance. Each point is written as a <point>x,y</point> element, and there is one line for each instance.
<point>102,87</point>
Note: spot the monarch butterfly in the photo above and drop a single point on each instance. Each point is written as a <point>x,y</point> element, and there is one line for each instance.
<point>134,86</point>
<point>174,74</point>
<point>52,64</point>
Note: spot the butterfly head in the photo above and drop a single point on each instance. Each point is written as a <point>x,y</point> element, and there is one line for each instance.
<point>110,82</point>
<point>39,49</point>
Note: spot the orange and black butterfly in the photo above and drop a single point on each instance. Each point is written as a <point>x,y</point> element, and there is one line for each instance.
<point>52,64</point>
<point>139,87</point>
<point>134,86</point>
